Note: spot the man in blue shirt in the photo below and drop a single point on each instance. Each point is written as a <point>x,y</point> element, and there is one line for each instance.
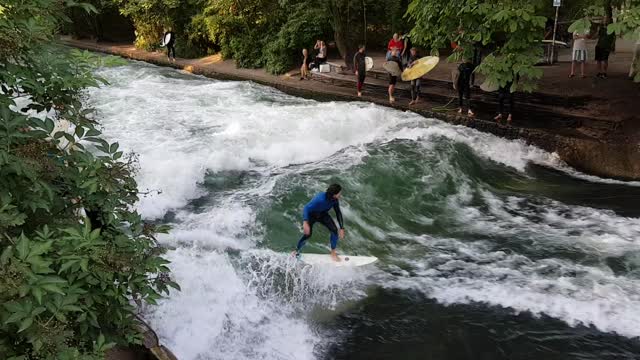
<point>317,210</point>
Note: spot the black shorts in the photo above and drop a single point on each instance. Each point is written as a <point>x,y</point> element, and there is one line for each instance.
<point>393,80</point>
<point>602,54</point>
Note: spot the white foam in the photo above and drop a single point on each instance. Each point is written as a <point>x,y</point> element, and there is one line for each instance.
<point>217,316</point>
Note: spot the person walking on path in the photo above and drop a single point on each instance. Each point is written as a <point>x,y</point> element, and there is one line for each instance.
<point>415,84</point>
<point>170,44</point>
<point>406,49</point>
<point>505,95</point>
<point>464,86</point>
<point>606,44</point>
<point>360,67</point>
<point>579,52</point>
<point>393,79</point>
<point>395,43</point>
<point>304,69</point>
<point>635,64</point>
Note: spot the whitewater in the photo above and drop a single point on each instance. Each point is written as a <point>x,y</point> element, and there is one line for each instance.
<point>458,216</point>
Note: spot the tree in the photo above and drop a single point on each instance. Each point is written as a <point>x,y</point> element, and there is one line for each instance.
<point>74,257</point>
<point>509,30</point>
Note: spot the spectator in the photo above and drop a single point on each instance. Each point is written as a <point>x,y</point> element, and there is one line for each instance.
<point>304,69</point>
<point>464,86</point>
<point>505,94</point>
<point>579,52</point>
<point>415,84</point>
<point>606,44</point>
<point>393,79</point>
<point>360,67</point>
<point>406,48</point>
<point>321,57</point>
<point>635,64</point>
<point>394,43</point>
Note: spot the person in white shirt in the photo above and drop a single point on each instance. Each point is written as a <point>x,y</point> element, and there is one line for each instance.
<point>579,52</point>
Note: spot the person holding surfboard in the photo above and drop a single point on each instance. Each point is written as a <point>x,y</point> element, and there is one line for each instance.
<point>360,67</point>
<point>415,83</point>
<point>169,40</point>
<point>393,79</point>
<point>317,210</point>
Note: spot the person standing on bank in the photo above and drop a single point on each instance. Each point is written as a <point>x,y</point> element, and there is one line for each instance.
<point>304,69</point>
<point>360,67</point>
<point>464,86</point>
<point>579,52</point>
<point>393,79</point>
<point>171,49</point>
<point>604,47</point>
<point>505,94</point>
<point>415,84</point>
<point>317,210</point>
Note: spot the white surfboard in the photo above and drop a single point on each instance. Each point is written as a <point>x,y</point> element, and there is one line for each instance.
<point>368,62</point>
<point>165,40</point>
<point>347,260</point>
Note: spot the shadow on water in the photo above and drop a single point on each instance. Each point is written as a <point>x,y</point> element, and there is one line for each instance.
<point>394,324</point>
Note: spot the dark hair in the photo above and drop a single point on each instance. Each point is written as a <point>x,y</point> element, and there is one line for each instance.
<point>333,189</point>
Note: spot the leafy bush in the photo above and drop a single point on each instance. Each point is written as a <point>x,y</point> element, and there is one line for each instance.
<point>74,257</point>
<point>303,27</point>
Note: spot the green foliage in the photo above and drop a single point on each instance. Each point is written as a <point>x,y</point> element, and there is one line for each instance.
<point>511,29</point>
<point>580,26</point>
<point>303,27</point>
<point>68,283</point>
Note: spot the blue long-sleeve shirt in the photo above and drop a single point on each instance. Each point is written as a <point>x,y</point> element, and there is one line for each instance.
<point>321,203</point>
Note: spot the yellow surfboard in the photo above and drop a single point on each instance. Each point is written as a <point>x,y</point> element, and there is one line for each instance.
<point>422,66</point>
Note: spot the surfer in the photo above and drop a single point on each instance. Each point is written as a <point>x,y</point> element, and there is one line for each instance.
<point>170,44</point>
<point>317,210</point>
<point>360,67</point>
<point>393,79</point>
<point>464,86</point>
<point>415,84</point>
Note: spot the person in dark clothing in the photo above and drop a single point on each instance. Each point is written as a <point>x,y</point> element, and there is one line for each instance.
<point>317,210</point>
<point>464,86</point>
<point>606,43</point>
<point>415,84</point>
<point>393,79</point>
<point>505,95</point>
<point>360,67</point>
<point>171,49</point>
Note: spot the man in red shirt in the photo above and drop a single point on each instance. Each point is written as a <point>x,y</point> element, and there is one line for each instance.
<point>395,43</point>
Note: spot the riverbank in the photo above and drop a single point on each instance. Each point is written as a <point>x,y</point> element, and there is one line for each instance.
<point>587,143</point>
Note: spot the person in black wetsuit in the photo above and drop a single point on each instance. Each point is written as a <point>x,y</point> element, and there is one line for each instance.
<point>393,79</point>
<point>464,86</point>
<point>360,67</point>
<point>171,50</point>
<point>317,210</point>
<point>504,94</point>
<point>415,84</point>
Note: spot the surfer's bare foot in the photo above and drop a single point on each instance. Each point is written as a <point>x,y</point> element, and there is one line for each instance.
<point>412,102</point>
<point>509,118</point>
<point>334,256</point>
<point>498,118</point>
<point>392,100</point>
<point>471,114</point>
<point>359,94</point>
<point>460,111</point>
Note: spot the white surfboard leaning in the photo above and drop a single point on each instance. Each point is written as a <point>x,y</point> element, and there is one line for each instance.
<point>347,260</point>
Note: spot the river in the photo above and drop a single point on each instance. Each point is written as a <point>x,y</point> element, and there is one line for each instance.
<point>488,248</point>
